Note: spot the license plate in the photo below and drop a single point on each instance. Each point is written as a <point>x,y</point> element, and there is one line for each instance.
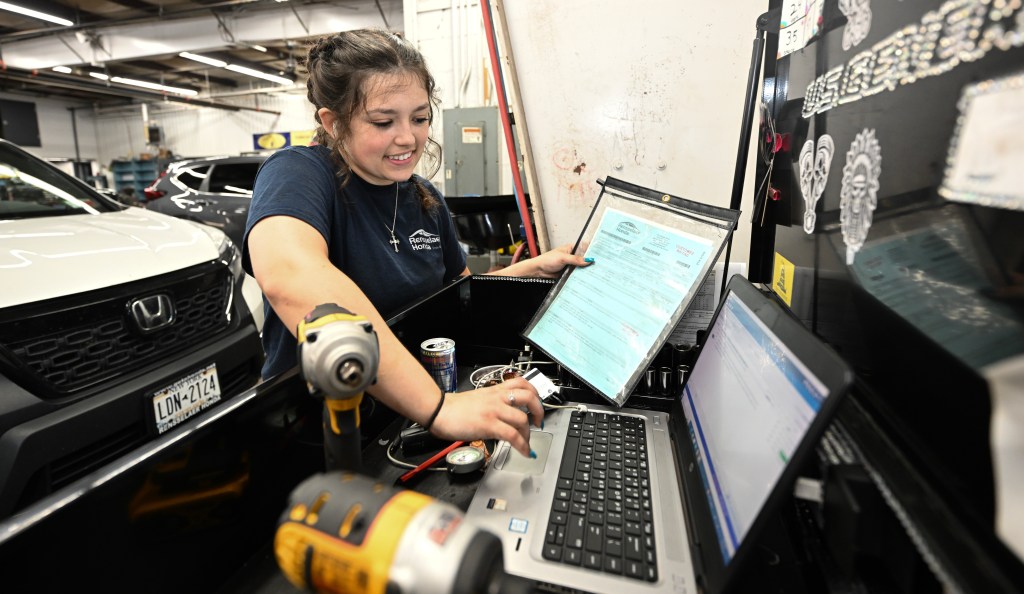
<point>186,397</point>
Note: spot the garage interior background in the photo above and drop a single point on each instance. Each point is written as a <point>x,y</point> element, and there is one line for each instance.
<point>655,99</point>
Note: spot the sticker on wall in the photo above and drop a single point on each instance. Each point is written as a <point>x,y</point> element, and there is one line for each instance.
<point>782,278</point>
<point>815,163</point>
<point>859,194</point>
<point>858,21</point>
<point>271,140</point>
<point>800,22</point>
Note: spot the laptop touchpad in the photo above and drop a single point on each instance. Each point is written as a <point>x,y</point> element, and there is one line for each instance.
<point>540,443</point>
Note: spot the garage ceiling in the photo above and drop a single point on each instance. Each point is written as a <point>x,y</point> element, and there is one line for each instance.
<point>111,46</point>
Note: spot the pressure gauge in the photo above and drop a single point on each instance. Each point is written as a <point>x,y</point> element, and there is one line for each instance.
<point>465,459</point>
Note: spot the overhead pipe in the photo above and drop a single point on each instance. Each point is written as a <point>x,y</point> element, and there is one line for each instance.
<point>499,83</point>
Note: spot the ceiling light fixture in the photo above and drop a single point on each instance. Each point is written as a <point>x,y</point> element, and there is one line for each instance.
<point>34,14</point>
<point>236,68</point>
<point>256,73</point>
<point>204,59</point>
<point>257,47</point>
<point>144,84</point>
<point>62,69</point>
<point>153,86</point>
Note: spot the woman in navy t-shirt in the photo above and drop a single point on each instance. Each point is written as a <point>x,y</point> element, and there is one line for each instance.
<point>346,221</point>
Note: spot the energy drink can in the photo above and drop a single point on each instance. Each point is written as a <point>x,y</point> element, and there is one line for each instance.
<point>438,356</point>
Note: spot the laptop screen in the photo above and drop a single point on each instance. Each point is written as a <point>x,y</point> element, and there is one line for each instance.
<point>748,404</point>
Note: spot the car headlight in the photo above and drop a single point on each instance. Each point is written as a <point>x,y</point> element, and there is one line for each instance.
<point>232,256</point>
<point>227,251</point>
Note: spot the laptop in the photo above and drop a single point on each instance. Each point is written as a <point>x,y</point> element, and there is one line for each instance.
<point>630,500</point>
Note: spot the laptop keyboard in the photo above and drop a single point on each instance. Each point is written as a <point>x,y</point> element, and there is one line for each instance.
<point>601,515</point>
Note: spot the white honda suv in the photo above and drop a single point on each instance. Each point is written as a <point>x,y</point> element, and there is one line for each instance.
<point>117,324</point>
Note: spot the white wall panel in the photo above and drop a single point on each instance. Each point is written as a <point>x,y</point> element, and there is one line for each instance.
<point>200,131</point>
<point>56,130</point>
<point>648,92</point>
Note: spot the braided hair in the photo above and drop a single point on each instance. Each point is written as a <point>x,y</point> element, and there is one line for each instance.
<point>339,67</point>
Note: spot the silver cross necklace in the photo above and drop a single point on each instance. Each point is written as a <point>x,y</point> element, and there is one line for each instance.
<point>394,240</point>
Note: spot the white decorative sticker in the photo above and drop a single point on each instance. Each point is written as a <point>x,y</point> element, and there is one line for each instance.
<point>814,167</point>
<point>858,21</point>
<point>859,194</point>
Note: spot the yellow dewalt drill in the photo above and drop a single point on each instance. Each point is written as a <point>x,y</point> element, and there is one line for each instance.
<point>343,533</point>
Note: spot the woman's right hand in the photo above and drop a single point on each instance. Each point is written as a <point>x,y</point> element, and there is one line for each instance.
<point>491,413</point>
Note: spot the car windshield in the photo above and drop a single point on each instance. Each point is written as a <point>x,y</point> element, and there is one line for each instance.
<point>30,187</point>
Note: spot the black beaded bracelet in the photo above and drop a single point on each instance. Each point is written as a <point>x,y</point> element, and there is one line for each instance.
<point>436,410</point>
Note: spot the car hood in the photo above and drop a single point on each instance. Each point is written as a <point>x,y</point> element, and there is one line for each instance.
<point>43,258</point>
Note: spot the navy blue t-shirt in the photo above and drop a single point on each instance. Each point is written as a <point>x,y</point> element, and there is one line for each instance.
<point>301,182</point>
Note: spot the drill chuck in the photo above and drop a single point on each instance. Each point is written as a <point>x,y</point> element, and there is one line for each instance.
<point>350,373</point>
<point>338,352</point>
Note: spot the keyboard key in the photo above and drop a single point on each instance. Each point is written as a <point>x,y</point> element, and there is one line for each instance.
<point>575,531</point>
<point>613,548</point>
<point>613,565</point>
<point>633,548</point>
<point>595,538</point>
<point>568,467</point>
<point>592,560</point>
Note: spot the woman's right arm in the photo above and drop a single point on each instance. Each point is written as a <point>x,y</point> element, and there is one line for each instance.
<point>290,262</point>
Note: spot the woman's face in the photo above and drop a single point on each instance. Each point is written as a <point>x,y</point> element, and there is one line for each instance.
<point>386,141</point>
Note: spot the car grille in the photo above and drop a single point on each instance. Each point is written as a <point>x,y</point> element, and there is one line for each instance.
<point>69,349</point>
<point>90,457</point>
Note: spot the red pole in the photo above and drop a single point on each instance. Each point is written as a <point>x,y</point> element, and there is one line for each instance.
<point>499,82</point>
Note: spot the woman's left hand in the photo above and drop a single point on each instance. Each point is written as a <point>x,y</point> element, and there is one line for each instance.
<point>551,263</point>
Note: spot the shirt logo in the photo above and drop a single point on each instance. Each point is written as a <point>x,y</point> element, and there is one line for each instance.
<point>421,240</point>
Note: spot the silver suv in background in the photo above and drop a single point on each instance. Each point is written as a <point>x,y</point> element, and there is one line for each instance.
<point>215,191</point>
<point>117,324</point>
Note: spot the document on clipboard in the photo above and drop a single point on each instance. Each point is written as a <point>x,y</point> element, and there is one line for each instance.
<point>606,322</point>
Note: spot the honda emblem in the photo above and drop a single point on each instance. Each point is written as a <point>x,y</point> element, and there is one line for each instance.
<point>152,313</point>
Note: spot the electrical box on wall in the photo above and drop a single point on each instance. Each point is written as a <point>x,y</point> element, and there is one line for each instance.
<point>471,151</point>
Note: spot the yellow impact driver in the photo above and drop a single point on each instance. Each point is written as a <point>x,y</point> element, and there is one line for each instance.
<point>338,355</point>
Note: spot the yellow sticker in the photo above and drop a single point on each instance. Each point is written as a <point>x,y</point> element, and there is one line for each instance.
<point>302,137</point>
<point>273,140</point>
<point>782,279</point>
